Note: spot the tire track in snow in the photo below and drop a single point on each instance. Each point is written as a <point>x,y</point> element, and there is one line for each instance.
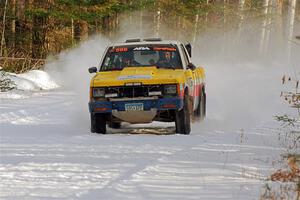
<point>38,170</point>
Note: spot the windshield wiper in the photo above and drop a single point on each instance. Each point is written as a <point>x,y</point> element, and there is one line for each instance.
<point>168,67</point>
<point>116,69</point>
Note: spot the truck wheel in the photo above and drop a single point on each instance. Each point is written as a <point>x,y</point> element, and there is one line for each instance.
<point>200,111</point>
<point>115,125</point>
<point>183,118</point>
<point>197,112</point>
<point>98,124</point>
<point>203,105</point>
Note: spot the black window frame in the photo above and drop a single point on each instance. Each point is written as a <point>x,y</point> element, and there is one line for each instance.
<point>143,45</point>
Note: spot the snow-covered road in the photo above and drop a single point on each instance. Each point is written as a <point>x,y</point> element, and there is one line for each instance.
<point>49,153</point>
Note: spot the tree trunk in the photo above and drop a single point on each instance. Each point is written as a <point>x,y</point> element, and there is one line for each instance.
<point>195,29</point>
<point>20,23</point>
<point>290,26</point>
<point>264,27</point>
<point>80,30</point>
<point>29,22</point>
<point>13,25</point>
<point>157,27</point>
<point>3,31</point>
<point>72,31</point>
<point>38,34</point>
<point>241,13</point>
<point>21,9</point>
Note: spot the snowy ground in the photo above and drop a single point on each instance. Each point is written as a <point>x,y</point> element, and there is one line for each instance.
<point>47,152</point>
<point>44,154</point>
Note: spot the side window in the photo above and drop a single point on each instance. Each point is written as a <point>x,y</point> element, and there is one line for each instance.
<point>184,55</point>
<point>107,61</point>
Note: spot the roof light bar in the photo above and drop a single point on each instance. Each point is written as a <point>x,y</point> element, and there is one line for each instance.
<point>132,40</point>
<point>152,39</point>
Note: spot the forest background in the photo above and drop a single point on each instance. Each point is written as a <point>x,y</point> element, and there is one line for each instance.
<point>31,30</point>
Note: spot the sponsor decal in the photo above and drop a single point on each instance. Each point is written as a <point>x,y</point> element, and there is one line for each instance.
<point>119,49</point>
<point>134,77</point>
<point>164,49</point>
<point>141,49</point>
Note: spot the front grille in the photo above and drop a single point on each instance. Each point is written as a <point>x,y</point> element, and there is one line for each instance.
<point>133,91</point>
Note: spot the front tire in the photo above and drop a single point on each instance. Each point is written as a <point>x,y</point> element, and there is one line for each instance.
<point>203,105</point>
<point>183,118</point>
<point>98,123</point>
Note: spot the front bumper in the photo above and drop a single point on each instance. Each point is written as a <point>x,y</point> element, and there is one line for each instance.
<point>172,103</point>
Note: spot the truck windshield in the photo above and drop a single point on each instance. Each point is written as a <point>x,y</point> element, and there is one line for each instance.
<point>120,57</point>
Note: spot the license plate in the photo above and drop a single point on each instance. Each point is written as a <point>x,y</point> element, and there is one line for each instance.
<point>134,106</point>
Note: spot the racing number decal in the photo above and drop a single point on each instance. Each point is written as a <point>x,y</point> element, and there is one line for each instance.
<point>118,49</point>
<point>121,49</point>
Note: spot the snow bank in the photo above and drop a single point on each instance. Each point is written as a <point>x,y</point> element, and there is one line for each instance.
<point>39,79</point>
<point>27,83</point>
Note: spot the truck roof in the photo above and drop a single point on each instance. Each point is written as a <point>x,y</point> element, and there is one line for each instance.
<point>134,42</point>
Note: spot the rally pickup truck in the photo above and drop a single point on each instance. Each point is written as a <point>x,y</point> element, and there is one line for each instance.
<point>140,81</point>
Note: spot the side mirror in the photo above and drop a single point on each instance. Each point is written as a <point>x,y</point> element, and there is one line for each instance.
<point>189,49</point>
<point>191,66</point>
<point>92,70</point>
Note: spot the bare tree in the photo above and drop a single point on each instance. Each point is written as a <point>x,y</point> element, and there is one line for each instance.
<point>3,31</point>
<point>13,25</point>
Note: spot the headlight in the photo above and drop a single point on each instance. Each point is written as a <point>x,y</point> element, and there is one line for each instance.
<point>98,92</point>
<point>170,89</point>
